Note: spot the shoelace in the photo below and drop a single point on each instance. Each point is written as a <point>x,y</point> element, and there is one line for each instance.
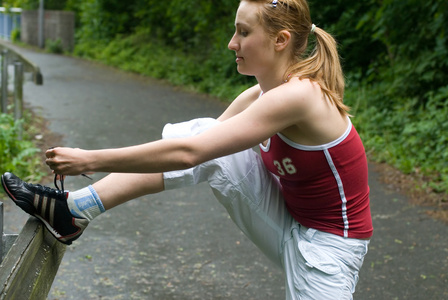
<point>61,180</point>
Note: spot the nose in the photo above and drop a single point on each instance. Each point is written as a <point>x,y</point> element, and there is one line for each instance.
<point>233,44</point>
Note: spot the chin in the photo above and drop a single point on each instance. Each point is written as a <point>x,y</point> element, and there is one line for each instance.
<point>242,71</point>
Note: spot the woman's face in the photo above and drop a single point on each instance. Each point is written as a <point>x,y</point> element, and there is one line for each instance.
<point>253,47</point>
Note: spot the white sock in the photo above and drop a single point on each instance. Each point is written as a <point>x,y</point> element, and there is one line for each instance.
<point>85,203</point>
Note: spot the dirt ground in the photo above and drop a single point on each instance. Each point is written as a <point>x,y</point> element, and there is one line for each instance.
<point>411,186</point>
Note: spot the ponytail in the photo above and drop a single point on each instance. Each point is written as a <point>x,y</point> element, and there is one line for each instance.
<point>324,67</point>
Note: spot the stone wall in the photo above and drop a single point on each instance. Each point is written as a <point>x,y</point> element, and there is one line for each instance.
<point>57,25</point>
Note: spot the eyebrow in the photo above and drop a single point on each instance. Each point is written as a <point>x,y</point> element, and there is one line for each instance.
<point>245,24</point>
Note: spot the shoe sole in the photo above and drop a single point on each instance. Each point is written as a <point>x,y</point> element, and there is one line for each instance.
<point>32,211</point>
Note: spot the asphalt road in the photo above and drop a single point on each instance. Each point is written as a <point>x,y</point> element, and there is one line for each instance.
<point>181,244</point>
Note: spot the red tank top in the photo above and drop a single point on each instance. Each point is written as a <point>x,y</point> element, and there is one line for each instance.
<point>325,187</point>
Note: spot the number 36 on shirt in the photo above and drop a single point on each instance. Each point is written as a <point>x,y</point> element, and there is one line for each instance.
<point>285,167</point>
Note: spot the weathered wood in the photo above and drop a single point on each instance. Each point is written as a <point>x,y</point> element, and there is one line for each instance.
<point>29,267</point>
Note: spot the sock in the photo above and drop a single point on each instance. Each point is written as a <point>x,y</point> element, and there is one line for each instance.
<point>85,203</point>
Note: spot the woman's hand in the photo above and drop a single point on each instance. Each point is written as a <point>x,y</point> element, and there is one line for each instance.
<point>67,161</point>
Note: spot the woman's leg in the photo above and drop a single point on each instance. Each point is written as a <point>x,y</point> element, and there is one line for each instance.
<point>118,188</point>
<point>66,214</point>
<point>242,184</point>
<point>320,265</point>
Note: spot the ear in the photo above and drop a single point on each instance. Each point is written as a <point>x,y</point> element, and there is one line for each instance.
<point>283,39</point>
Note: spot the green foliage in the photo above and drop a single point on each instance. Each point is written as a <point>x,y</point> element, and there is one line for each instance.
<point>404,86</point>
<point>18,156</point>
<point>15,35</point>
<point>187,25</point>
<point>412,140</point>
<point>34,4</point>
<point>182,42</point>
<point>54,46</point>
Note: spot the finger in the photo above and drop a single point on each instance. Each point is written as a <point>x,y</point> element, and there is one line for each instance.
<point>50,153</point>
<point>49,162</point>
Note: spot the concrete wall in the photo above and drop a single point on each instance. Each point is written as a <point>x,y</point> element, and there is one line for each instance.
<point>57,25</point>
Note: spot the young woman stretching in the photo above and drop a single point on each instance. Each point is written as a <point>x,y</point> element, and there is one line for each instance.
<point>304,202</point>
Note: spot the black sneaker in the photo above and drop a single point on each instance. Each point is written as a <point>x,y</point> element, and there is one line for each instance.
<point>47,204</point>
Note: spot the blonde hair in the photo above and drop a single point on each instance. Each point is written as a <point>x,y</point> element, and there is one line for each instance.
<point>322,65</point>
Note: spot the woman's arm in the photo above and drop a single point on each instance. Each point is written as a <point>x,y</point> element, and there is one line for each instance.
<point>153,157</point>
<point>275,111</point>
<point>241,102</point>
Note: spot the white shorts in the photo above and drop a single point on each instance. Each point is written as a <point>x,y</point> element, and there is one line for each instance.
<point>317,265</point>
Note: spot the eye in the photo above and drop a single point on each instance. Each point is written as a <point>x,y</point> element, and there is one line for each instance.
<point>242,30</point>
<point>243,33</point>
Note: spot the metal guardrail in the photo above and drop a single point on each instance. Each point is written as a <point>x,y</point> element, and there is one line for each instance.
<point>6,240</point>
<point>28,66</point>
<point>21,65</point>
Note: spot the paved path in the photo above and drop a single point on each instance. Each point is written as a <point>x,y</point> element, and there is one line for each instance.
<point>181,244</point>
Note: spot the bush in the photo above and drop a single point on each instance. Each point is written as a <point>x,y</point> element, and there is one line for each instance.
<point>54,46</point>
<point>412,140</point>
<point>18,156</point>
<point>15,35</point>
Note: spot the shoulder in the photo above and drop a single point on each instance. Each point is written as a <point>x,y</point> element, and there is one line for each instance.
<point>243,101</point>
<point>299,89</point>
<point>298,96</point>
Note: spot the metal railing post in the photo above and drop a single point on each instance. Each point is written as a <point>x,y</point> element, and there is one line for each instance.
<point>6,240</point>
<point>18,95</point>
<point>4,82</point>
<point>1,231</point>
<point>40,36</point>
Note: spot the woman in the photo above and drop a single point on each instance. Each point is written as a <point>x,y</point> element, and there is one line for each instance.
<point>304,202</point>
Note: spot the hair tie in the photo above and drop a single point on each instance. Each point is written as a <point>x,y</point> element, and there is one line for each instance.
<point>274,3</point>
<point>313,27</point>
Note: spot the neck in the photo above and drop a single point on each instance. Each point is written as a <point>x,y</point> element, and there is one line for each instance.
<point>272,78</point>
<point>270,84</point>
